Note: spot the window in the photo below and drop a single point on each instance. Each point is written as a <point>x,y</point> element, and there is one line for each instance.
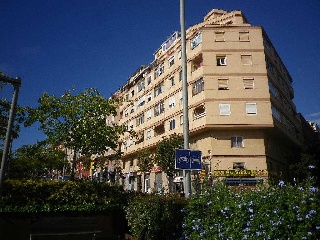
<point>179,54</point>
<point>148,134</point>
<point>267,44</point>
<point>171,81</point>
<point>273,90</point>
<point>159,108</point>
<point>180,75</point>
<point>196,63</point>
<point>198,86</point>
<point>237,142</point>
<point>131,125</point>
<point>196,41</point>
<point>148,114</point>
<point>159,71</point>
<point>223,84</point>
<point>224,109</point>
<point>132,109</point>
<point>149,97</point>
<point>276,114</point>
<point>126,113</point>
<point>181,119</point>
<point>219,35</point>
<point>149,80</point>
<point>159,89</point>
<point>171,61</point>
<point>238,165</point>
<point>251,108</point>
<point>172,102</point>
<point>132,93</point>
<point>140,137</point>
<point>158,130</point>
<point>172,124</point>
<point>248,83</point>
<point>130,141</point>
<point>222,60</point>
<point>181,97</point>
<point>244,36</point>
<point>140,86</point>
<point>140,101</point>
<point>269,65</point>
<point>199,112</point>
<point>140,119</point>
<point>246,59</point>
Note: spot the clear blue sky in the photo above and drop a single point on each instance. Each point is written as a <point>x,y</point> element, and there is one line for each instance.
<point>57,45</point>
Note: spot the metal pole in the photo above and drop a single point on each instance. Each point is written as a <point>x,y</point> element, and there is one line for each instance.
<point>187,177</point>
<point>6,148</point>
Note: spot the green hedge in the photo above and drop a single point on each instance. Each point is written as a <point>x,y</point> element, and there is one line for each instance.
<point>155,217</point>
<point>78,197</point>
<point>274,212</point>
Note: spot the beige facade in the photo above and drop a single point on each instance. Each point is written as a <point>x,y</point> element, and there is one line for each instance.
<point>241,114</point>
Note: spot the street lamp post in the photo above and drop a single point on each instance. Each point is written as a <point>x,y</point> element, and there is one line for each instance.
<point>187,177</point>
<point>16,82</point>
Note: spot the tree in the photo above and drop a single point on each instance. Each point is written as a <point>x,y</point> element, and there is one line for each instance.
<point>165,154</point>
<point>79,122</point>
<point>5,107</point>
<point>36,161</point>
<point>146,162</point>
<point>304,168</point>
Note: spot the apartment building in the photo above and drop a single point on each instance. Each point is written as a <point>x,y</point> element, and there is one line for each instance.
<point>241,114</point>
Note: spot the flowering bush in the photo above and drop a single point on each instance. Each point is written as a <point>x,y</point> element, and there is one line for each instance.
<point>277,212</point>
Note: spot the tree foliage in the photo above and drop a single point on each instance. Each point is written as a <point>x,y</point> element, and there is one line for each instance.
<point>20,117</point>
<point>165,153</point>
<point>78,121</point>
<point>146,160</point>
<point>304,167</point>
<point>36,161</point>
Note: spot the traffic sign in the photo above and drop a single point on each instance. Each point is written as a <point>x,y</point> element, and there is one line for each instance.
<point>195,157</point>
<point>188,159</point>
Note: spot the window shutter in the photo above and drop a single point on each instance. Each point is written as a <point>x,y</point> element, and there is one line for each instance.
<point>244,36</point>
<point>219,36</point>
<point>223,84</point>
<point>248,83</point>
<point>246,59</point>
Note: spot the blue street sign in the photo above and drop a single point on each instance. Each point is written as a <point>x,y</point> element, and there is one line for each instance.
<point>195,160</point>
<point>188,159</point>
<point>182,159</point>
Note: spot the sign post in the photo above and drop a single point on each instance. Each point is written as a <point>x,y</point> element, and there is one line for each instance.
<point>188,160</point>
